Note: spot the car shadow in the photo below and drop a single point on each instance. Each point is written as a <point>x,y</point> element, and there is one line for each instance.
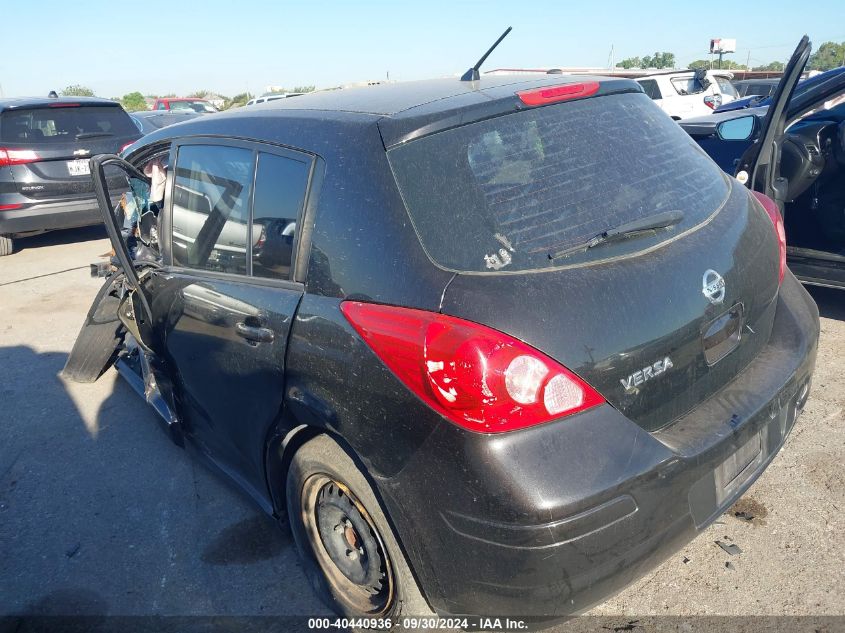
<point>831,301</point>
<point>95,500</point>
<point>65,236</point>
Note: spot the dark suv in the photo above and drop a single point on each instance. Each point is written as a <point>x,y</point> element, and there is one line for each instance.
<point>491,347</point>
<point>45,144</point>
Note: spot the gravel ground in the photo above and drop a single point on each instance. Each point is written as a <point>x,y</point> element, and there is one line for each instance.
<point>101,515</point>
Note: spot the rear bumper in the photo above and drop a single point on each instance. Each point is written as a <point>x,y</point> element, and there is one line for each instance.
<point>49,216</point>
<point>548,521</point>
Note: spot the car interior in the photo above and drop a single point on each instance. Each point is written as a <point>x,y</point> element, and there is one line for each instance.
<point>813,161</point>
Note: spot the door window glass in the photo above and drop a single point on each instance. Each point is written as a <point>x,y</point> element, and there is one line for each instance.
<point>211,208</point>
<point>279,194</point>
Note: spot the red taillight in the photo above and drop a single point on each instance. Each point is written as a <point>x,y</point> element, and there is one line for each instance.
<point>552,94</point>
<point>64,105</point>
<point>16,156</point>
<point>479,378</point>
<point>713,101</point>
<point>10,207</point>
<point>774,213</point>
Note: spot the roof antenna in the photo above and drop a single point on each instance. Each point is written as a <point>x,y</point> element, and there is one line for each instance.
<point>472,74</point>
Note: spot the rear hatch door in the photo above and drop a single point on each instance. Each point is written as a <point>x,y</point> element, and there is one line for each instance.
<point>55,141</point>
<point>655,322</point>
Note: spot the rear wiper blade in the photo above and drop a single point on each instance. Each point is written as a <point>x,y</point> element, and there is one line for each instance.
<point>93,134</point>
<point>649,223</point>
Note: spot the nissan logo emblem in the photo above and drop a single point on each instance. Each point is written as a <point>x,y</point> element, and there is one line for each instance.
<point>713,287</point>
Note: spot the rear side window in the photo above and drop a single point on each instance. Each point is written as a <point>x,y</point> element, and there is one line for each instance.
<point>279,195</point>
<point>506,192</point>
<point>64,124</point>
<point>687,85</point>
<point>651,88</point>
<point>211,208</point>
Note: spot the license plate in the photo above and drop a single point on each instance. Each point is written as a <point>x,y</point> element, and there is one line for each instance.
<point>78,167</point>
<point>735,470</point>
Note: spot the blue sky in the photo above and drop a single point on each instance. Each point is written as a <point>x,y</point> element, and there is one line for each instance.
<point>184,45</point>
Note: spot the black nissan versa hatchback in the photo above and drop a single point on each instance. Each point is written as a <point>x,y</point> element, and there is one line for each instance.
<point>491,347</point>
<point>45,145</point>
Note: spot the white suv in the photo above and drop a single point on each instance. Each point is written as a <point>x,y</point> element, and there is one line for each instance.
<point>688,93</point>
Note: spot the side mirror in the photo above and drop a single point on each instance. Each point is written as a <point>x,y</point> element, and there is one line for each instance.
<point>736,129</point>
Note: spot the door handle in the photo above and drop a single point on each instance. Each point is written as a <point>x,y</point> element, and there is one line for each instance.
<point>253,333</point>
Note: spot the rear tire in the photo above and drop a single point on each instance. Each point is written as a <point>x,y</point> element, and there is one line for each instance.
<point>6,245</point>
<point>346,544</point>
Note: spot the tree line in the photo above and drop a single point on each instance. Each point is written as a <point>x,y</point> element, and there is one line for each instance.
<point>828,56</point>
<point>136,101</point>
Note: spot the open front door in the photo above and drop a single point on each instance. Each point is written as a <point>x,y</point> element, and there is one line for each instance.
<point>135,311</point>
<point>118,328</point>
<point>759,167</point>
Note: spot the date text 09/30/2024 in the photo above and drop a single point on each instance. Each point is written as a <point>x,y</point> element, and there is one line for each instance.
<point>422,623</point>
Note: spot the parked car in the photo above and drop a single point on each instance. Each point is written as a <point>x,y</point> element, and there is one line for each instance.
<point>750,93</point>
<point>184,103</point>
<point>272,97</point>
<point>152,120</point>
<point>810,166</point>
<point>752,87</point>
<point>529,342</point>
<point>756,101</point>
<point>688,93</point>
<point>45,144</point>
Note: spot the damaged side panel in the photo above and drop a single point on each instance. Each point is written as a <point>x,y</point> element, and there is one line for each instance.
<point>145,373</point>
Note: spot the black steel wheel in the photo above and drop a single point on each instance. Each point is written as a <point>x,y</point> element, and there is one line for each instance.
<point>347,545</point>
<point>345,541</point>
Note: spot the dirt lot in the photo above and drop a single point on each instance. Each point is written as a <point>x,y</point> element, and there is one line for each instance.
<point>101,515</point>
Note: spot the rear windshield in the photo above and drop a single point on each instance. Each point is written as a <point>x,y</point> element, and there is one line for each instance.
<point>159,121</point>
<point>506,192</point>
<point>192,106</point>
<point>64,124</point>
